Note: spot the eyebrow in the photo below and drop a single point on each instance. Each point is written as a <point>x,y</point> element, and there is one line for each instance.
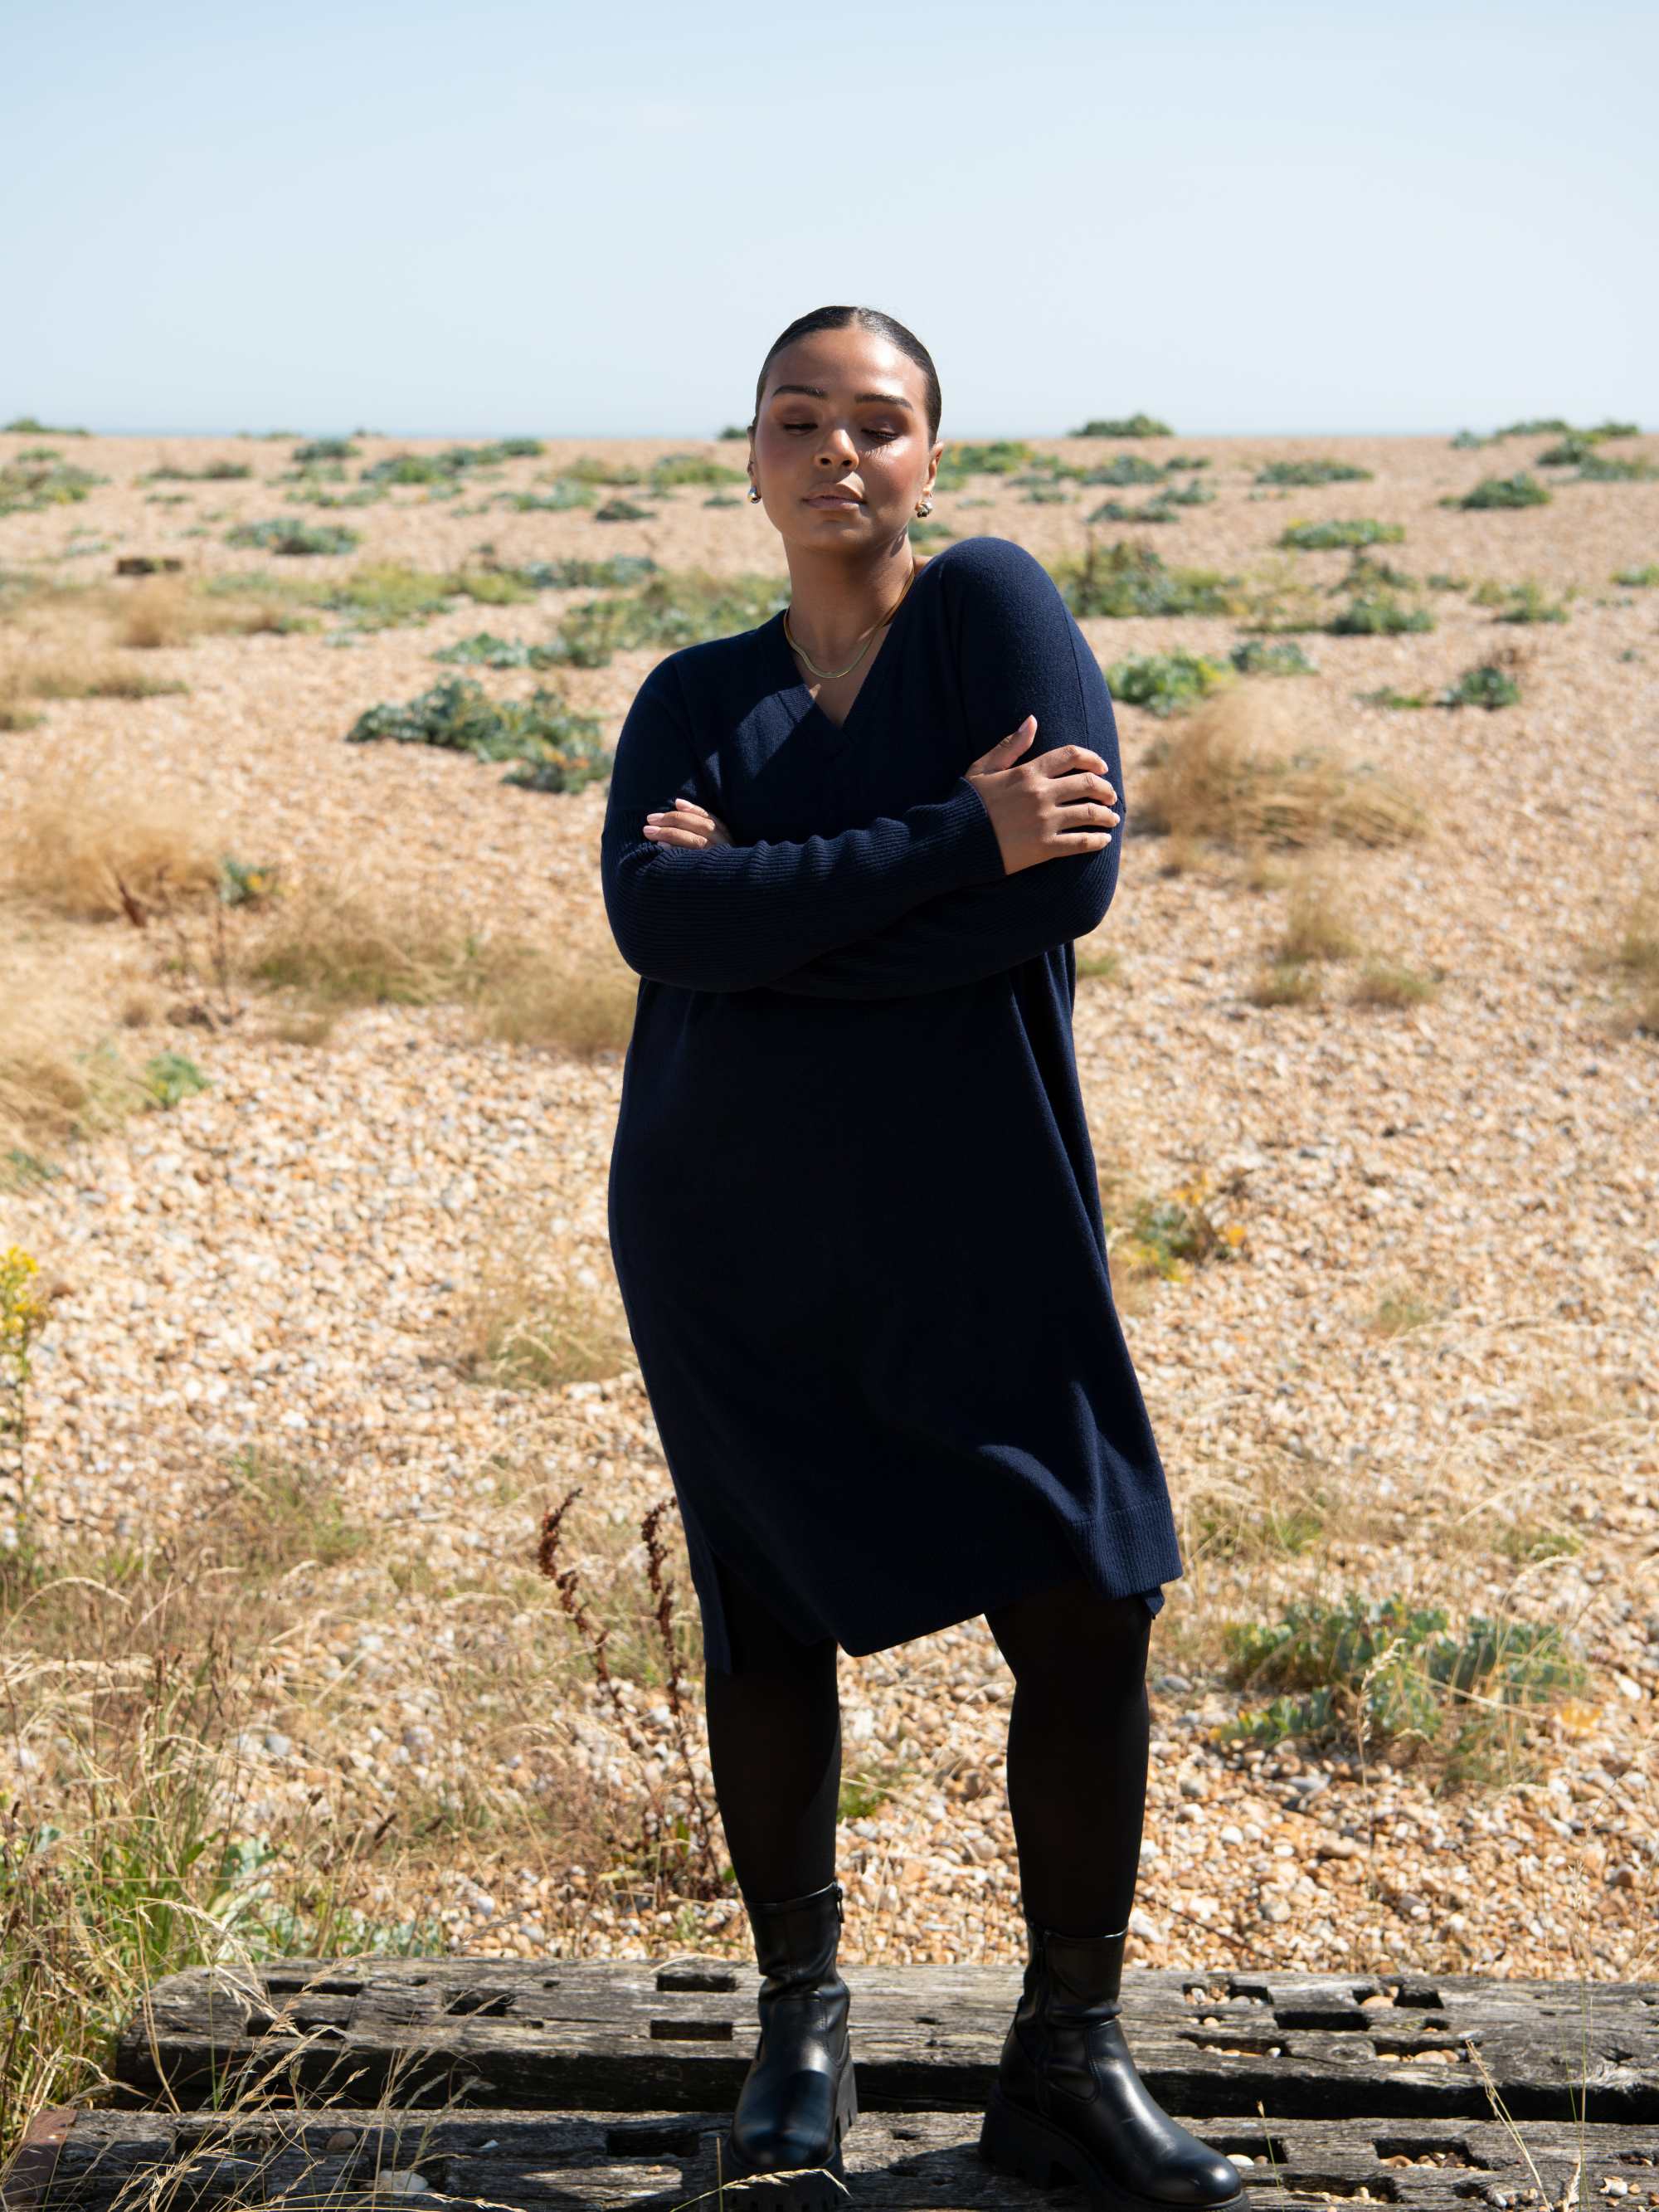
<point>818,391</point>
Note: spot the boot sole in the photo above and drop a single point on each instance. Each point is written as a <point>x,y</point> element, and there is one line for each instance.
<point>810,2191</point>
<point>1019,2143</point>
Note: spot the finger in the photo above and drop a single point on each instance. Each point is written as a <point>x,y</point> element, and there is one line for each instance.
<point>684,805</point>
<point>1006,750</point>
<point>1084,812</point>
<point>1066,760</point>
<point>663,834</point>
<point>1082,841</point>
<point>1086,786</point>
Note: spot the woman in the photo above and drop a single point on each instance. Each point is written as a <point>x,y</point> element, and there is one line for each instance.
<point>856,1224</point>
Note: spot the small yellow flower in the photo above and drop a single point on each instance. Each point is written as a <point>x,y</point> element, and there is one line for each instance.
<point>22,1310</point>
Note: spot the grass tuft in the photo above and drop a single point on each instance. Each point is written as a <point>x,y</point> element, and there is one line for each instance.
<point>1231,771</point>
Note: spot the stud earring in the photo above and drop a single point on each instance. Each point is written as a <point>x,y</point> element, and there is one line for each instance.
<point>754,491</point>
<point>924,507</point>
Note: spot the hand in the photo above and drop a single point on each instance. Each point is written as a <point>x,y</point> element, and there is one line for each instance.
<point>1041,809</point>
<point>686,823</point>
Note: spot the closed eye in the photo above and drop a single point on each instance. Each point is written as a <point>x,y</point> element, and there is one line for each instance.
<point>882,437</point>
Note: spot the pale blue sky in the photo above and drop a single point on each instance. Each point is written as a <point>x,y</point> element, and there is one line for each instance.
<point>593,221</point>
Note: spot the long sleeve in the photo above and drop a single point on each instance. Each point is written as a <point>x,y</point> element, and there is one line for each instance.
<point>731,917</point>
<point>1023,654</point>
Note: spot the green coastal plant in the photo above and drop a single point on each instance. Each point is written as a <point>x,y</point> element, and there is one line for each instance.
<point>1379,614</point>
<point>485,650</point>
<point>1611,468</point>
<point>1365,573</point>
<point>960,461</point>
<point>285,535</point>
<point>676,469</point>
<point>1528,602</point>
<point>1484,685</point>
<point>1317,537</point>
<point>1389,1671</point>
<point>1126,468</point>
<point>1124,426</point>
<point>30,485</point>
<point>669,610</point>
<point>554,750</point>
<point>171,1076</point>
<point>1127,579</point>
<point>1166,683</point>
<point>567,492</point>
<point>1251,656</point>
<point>1313,472</point>
<point>594,469</point>
<point>1518,490</point>
<point>324,449</point>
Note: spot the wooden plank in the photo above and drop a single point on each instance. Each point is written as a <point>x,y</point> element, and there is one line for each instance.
<point>922,2161</point>
<point>27,2176</point>
<point>624,2034</point>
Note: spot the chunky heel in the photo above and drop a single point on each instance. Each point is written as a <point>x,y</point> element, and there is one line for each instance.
<point>1067,2104</point>
<point>847,2104</point>
<point>1009,2144</point>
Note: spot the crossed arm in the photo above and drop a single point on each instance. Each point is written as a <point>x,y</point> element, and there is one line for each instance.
<point>983,929</point>
<point>914,901</point>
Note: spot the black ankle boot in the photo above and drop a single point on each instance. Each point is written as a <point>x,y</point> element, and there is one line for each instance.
<point>1067,2103</point>
<point>798,2097</point>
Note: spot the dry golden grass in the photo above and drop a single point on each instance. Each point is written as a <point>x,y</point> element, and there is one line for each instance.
<point>174,611</point>
<point>541,1312</point>
<point>579,1000</point>
<point>1232,771</point>
<point>1317,924</point>
<point>1638,941</point>
<point>144,1677</point>
<point>1282,1509</point>
<point>1285,983</point>
<point>61,1074</point>
<point>1637,956</point>
<point>69,670</point>
<point>59,642</point>
<point>86,842</point>
<point>43,1088</point>
<point>334,945</point>
<point>86,642</point>
<point>1387,983</point>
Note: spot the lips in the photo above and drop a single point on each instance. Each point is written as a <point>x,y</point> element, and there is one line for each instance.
<point>833,498</point>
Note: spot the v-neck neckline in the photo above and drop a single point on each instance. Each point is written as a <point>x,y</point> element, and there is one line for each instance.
<point>840,732</point>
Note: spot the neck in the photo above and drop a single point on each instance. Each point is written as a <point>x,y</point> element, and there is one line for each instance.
<point>834,602</point>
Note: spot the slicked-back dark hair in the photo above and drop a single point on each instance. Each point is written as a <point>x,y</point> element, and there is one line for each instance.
<point>867,319</point>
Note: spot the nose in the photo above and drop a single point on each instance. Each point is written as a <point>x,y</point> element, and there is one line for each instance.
<point>838,448</point>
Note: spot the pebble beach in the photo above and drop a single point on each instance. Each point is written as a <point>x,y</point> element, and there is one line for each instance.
<point>1423,1367</point>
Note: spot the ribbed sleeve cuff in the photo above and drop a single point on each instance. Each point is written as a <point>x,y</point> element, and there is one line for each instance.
<point>973,844</point>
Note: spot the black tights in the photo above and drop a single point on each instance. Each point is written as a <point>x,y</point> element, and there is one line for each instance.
<point>1077,1739</point>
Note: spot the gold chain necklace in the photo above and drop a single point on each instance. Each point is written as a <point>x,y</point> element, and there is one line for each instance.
<point>829,674</point>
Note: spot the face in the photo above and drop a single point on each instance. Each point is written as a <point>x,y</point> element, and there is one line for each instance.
<point>859,426</point>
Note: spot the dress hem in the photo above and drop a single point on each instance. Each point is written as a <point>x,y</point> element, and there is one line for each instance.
<point>718,1648</point>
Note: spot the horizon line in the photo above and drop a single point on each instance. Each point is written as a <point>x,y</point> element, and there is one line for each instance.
<point>704,437</point>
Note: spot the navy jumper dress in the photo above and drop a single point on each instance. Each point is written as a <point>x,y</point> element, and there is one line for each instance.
<point>853,1202</point>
